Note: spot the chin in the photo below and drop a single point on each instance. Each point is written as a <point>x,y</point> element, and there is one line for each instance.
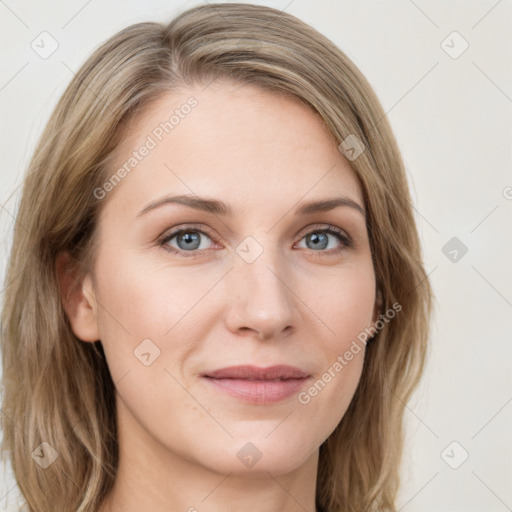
<point>259,456</point>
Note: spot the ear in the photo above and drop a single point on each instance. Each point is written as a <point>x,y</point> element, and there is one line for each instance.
<point>78,299</point>
<point>377,310</point>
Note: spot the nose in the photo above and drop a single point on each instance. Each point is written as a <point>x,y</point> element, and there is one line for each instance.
<point>261,298</point>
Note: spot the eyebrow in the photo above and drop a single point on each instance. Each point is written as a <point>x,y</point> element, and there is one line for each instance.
<point>220,208</point>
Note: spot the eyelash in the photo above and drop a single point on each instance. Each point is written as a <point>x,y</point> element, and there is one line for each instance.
<point>338,233</point>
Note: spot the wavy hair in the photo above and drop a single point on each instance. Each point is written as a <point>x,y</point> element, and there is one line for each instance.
<point>58,390</point>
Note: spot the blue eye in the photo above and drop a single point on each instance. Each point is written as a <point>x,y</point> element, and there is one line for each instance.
<point>319,239</point>
<point>187,240</point>
<point>191,240</point>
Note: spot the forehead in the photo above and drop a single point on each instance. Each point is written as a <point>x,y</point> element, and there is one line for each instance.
<point>230,140</point>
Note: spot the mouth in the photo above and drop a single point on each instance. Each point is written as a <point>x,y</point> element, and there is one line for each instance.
<point>258,385</point>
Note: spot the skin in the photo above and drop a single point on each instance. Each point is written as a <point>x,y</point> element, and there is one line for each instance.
<point>296,303</point>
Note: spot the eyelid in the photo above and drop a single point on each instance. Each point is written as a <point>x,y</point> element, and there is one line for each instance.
<point>319,226</point>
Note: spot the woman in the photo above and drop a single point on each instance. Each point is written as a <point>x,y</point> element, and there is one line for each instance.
<point>217,298</point>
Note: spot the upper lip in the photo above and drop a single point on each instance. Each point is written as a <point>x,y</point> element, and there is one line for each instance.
<point>249,372</point>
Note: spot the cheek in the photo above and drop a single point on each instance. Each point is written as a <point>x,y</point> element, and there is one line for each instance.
<point>146,300</point>
<point>346,305</point>
<point>138,301</point>
<point>131,310</point>
<point>346,309</point>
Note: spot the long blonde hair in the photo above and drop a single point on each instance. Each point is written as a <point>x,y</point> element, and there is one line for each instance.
<point>58,390</point>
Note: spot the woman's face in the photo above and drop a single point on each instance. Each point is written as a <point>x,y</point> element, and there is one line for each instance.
<point>248,280</point>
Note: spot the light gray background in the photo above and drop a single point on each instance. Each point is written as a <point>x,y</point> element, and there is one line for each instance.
<point>452,119</point>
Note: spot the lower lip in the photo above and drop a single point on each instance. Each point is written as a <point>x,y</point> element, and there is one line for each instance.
<point>258,392</point>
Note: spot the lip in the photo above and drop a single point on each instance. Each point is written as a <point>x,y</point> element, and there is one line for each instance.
<point>258,385</point>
